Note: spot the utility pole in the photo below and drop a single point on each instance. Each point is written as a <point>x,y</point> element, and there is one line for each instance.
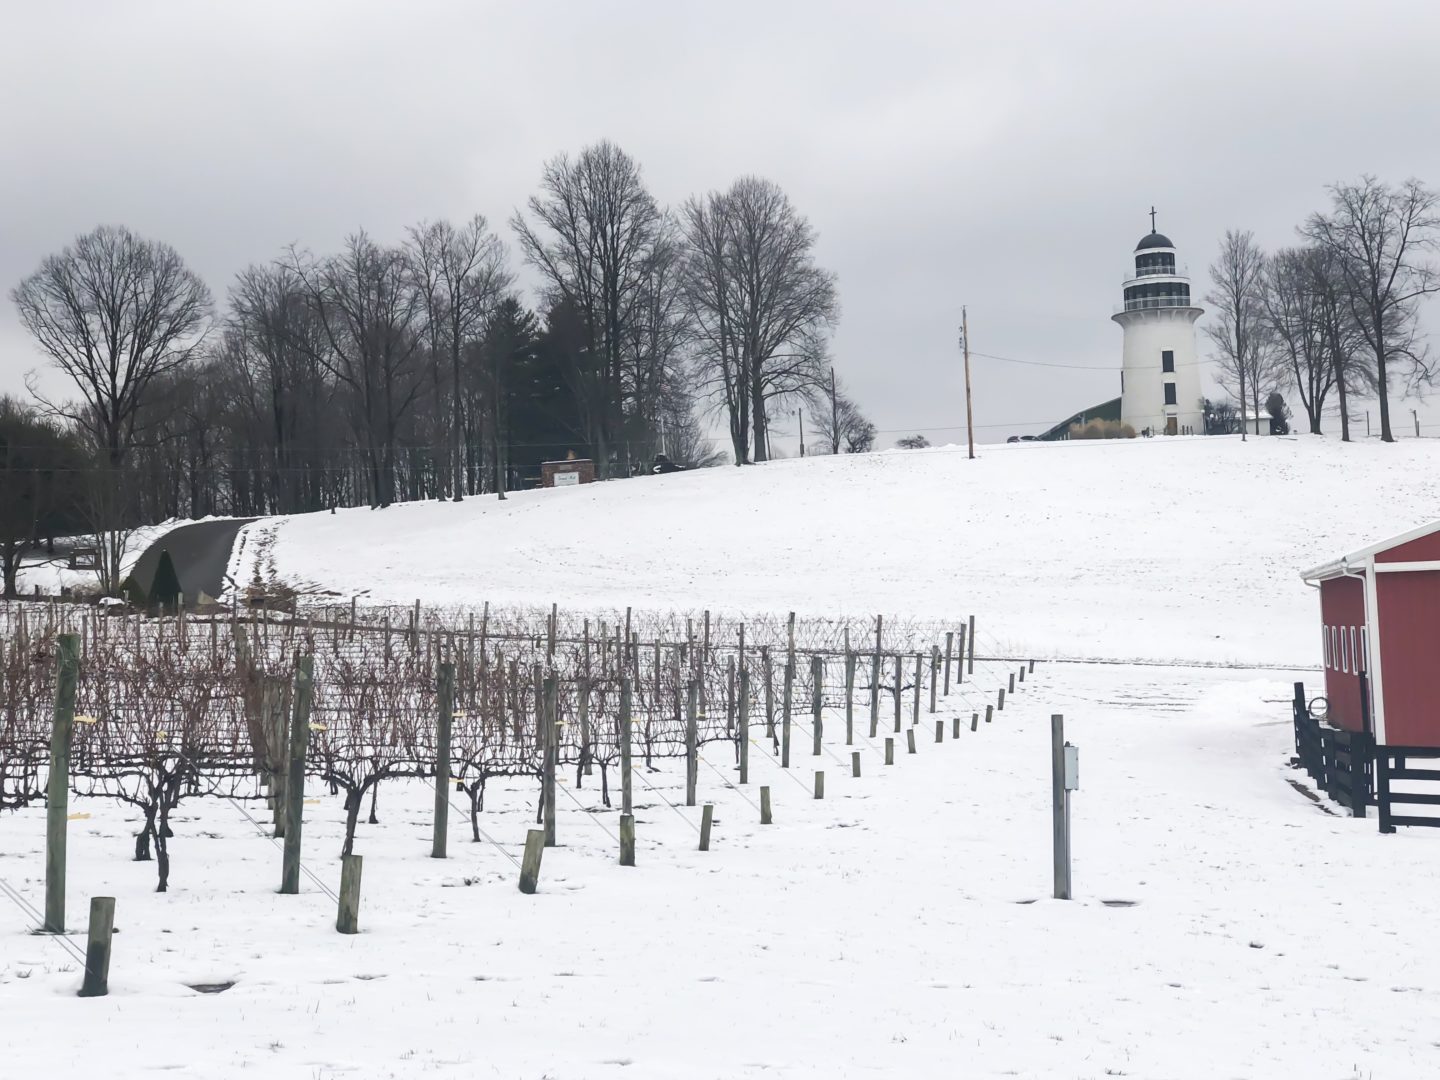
<point>969,416</point>
<point>834,416</point>
<point>800,416</point>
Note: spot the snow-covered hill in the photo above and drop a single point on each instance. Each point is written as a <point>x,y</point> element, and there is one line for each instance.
<point>1164,549</point>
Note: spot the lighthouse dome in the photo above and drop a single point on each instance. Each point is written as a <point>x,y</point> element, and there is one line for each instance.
<point>1154,240</point>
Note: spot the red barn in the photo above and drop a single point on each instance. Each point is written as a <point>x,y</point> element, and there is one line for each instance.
<point>1380,609</point>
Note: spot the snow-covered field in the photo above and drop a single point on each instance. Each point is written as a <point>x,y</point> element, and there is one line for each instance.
<point>1157,549</point>
<point>902,926</point>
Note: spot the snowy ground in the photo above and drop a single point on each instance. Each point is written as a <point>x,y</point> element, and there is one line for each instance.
<point>887,931</point>
<point>1154,549</point>
<point>901,927</point>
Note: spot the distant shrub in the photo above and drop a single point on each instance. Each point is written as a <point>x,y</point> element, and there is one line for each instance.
<point>1102,429</point>
<point>913,442</point>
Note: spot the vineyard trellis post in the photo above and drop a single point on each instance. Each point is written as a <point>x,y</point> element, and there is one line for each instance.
<point>692,760</point>
<point>626,790</point>
<point>445,694</point>
<point>295,780</point>
<point>849,697</point>
<point>817,678</point>
<point>744,726</point>
<point>785,715</point>
<point>57,798</point>
<point>550,747</point>
<point>97,947</point>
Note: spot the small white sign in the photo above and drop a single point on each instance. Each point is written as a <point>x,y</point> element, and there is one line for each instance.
<point>567,479</point>
<point>1072,767</point>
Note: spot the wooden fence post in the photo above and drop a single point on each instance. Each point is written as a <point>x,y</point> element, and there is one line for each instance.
<point>910,739</point>
<point>1012,682</point>
<point>692,758</point>
<point>445,692</point>
<point>744,725</point>
<point>57,792</point>
<point>934,674</point>
<point>530,862</point>
<point>939,730</point>
<point>970,665</point>
<point>785,716</point>
<point>347,919</point>
<point>989,712</point>
<point>765,817</point>
<point>626,805</point>
<point>707,817</point>
<point>295,777</point>
<point>819,784</point>
<point>817,679</point>
<point>1000,705</point>
<point>919,686</point>
<point>627,839</point>
<point>889,750</point>
<point>854,762</point>
<point>949,648</point>
<point>875,681</point>
<point>849,698</point>
<point>550,745</point>
<point>97,949</point>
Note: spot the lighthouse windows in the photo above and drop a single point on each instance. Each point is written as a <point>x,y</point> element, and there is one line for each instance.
<point>1167,361</point>
<point>1169,393</point>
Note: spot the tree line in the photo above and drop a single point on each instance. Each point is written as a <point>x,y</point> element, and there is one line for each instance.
<point>1335,314</point>
<point>415,370</point>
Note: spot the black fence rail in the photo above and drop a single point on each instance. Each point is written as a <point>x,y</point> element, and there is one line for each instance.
<point>1395,763</point>
<point>1341,762</point>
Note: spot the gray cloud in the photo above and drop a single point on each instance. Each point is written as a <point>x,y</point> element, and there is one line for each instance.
<point>1001,156</point>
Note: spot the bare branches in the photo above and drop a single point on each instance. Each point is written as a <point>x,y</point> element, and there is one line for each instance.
<point>1249,365</point>
<point>1378,236</point>
<point>762,307</point>
<point>114,312</point>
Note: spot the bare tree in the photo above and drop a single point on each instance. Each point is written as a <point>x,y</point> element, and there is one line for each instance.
<point>761,307</point>
<point>594,232</point>
<point>272,340</point>
<point>370,315</point>
<point>1344,345</point>
<point>115,312</point>
<point>1292,314</point>
<point>1238,329</point>
<point>1378,234</point>
<point>712,298</point>
<point>462,276</point>
<point>838,421</point>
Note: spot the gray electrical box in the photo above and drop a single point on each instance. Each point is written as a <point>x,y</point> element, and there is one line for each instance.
<point>1072,767</point>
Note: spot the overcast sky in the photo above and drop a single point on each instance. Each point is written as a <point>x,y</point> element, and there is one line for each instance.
<point>999,155</point>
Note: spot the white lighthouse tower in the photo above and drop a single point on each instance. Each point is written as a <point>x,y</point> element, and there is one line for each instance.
<point>1160,382</point>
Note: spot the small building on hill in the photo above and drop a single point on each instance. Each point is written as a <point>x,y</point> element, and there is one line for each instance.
<point>1380,637</point>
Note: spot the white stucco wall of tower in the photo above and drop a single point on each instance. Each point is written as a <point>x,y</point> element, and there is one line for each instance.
<point>1148,334</point>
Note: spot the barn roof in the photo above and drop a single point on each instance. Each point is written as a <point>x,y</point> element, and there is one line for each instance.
<point>1357,560</point>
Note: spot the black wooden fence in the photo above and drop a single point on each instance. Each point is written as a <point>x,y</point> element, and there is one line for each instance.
<point>1340,762</point>
<point>1393,763</point>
